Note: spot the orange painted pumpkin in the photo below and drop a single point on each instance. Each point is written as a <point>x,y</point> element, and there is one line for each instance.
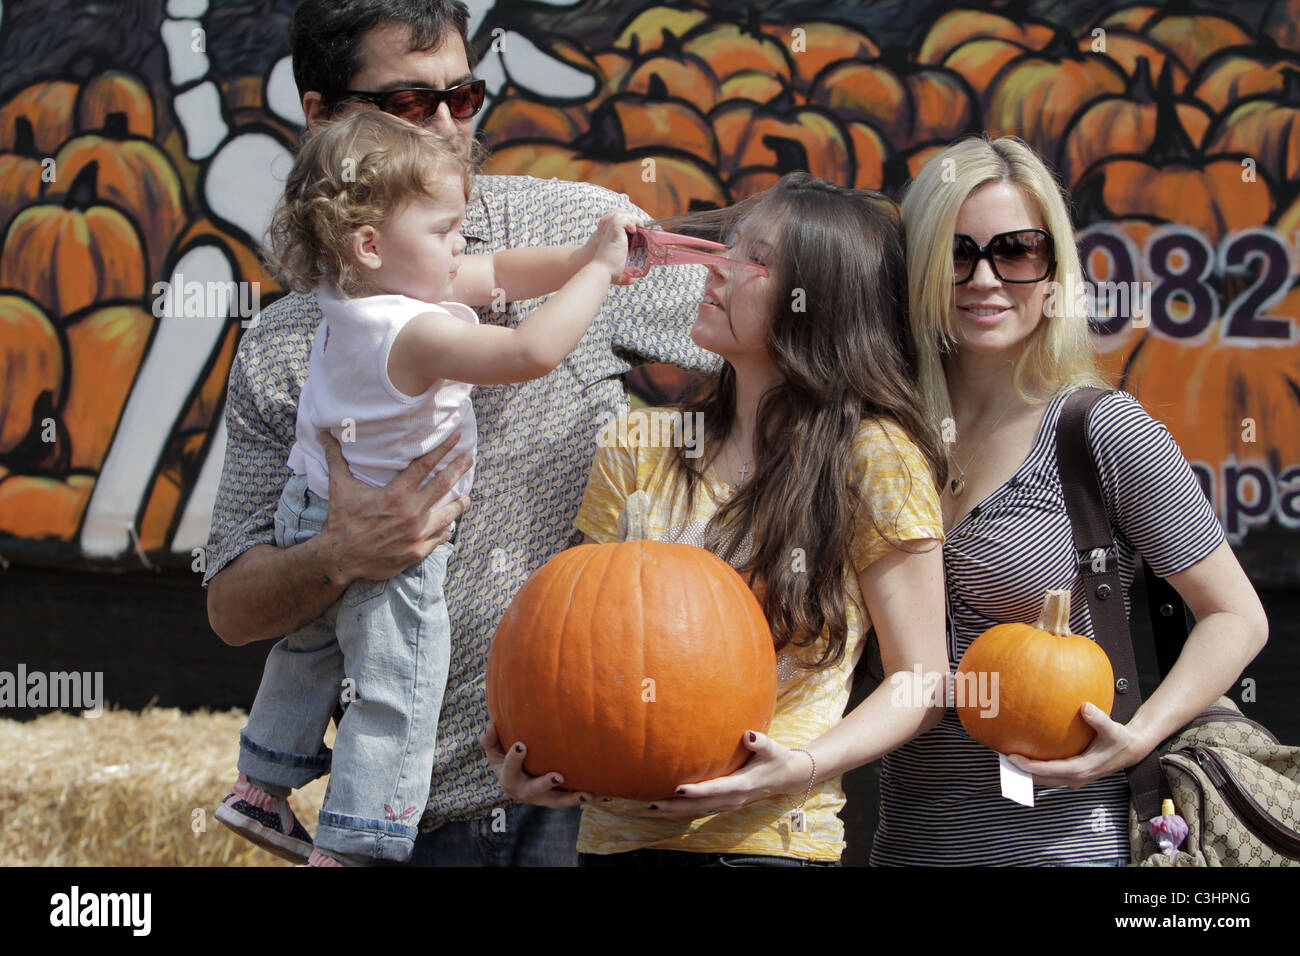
<point>20,172</point>
<point>105,348</point>
<point>1128,49</point>
<point>756,139</point>
<point>819,44</point>
<point>1267,128</point>
<point>1126,124</point>
<point>729,48</point>
<point>652,27</point>
<point>1235,74</point>
<point>1044,675</point>
<point>962,26</point>
<point>907,105</point>
<point>49,107</point>
<point>70,255</point>
<point>1174,181</point>
<point>31,364</point>
<point>1206,390</point>
<point>633,667</point>
<point>115,91</point>
<point>1036,95</point>
<point>134,175</point>
<point>684,75</point>
<point>39,507</point>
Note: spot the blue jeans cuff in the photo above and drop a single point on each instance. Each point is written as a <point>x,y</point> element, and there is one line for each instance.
<point>373,839</point>
<point>286,769</point>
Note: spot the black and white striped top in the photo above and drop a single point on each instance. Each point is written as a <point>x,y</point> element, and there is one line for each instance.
<point>941,801</point>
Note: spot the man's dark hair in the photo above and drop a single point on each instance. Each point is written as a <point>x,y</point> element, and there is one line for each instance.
<point>325,37</point>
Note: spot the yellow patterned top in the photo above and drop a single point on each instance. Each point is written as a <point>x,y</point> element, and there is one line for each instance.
<point>891,473</point>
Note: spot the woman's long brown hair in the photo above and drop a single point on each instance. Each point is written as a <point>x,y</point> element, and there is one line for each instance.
<point>840,339</point>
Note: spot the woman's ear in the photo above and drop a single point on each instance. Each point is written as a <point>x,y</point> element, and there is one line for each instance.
<point>365,247</point>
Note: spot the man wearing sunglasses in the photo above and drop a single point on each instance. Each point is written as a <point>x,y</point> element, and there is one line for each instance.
<point>535,440</point>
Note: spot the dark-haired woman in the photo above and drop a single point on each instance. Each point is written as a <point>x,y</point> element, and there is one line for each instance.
<point>816,479</point>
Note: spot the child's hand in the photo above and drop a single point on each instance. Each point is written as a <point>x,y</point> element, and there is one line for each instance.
<point>608,244</point>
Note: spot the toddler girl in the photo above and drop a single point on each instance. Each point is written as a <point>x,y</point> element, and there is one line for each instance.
<point>370,221</point>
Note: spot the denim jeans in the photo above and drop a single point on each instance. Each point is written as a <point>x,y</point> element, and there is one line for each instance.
<point>515,835</point>
<point>383,649</point>
<point>652,857</point>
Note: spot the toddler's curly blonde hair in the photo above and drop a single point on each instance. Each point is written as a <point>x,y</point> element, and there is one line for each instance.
<point>353,172</point>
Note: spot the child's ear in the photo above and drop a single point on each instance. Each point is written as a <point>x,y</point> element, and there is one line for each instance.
<point>365,247</point>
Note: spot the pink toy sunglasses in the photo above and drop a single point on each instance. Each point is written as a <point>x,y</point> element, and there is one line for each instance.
<point>653,247</point>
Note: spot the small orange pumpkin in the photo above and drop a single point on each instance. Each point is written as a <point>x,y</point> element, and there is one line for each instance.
<point>1044,675</point>
<point>632,667</point>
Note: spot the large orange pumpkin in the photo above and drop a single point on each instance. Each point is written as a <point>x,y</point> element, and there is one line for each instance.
<point>632,668</point>
<point>1044,676</point>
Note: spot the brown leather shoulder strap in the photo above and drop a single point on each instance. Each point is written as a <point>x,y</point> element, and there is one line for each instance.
<point>1098,566</point>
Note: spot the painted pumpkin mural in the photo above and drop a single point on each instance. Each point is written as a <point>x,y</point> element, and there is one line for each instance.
<point>136,163</point>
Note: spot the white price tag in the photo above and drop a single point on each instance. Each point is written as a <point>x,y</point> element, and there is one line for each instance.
<point>1016,784</point>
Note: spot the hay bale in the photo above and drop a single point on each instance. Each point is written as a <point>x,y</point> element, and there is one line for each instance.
<point>126,789</point>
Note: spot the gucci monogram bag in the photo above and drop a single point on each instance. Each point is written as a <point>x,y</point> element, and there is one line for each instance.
<point>1236,787</point>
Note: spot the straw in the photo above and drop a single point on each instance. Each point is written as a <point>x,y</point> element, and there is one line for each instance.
<point>123,789</point>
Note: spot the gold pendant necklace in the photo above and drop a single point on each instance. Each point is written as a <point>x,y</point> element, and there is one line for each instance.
<point>958,484</point>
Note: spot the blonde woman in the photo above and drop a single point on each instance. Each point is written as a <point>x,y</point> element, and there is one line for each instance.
<point>987,233</point>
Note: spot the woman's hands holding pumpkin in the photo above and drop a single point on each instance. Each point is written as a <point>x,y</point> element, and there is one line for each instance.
<point>517,783</point>
<point>1116,747</point>
<point>771,769</point>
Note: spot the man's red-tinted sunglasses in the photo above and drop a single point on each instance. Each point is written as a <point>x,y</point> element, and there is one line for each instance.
<point>653,247</point>
<point>417,104</point>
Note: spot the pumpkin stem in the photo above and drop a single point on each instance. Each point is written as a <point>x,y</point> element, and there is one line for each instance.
<point>1141,89</point>
<point>115,126</point>
<point>605,138</point>
<point>1290,92</point>
<point>635,516</point>
<point>24,138</point>
<point>1171,144</point>
<point>1056,612</point>
<point>81,193</point>
<point>791,155</point>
